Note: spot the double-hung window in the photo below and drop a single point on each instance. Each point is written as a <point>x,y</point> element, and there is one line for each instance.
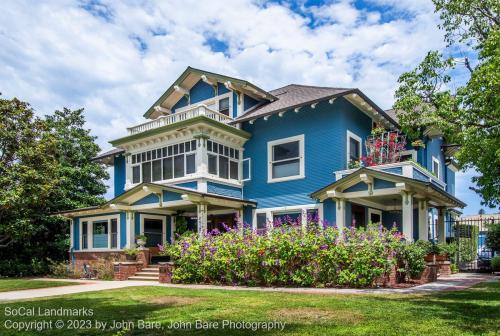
<point>85,235</point>
<point>224,106</point>
<point>286,159</point>
<point>223,161</point>
<point>165,163</point>
<point>353,148</point>
<point>435,166</point>
<point>100,233</point>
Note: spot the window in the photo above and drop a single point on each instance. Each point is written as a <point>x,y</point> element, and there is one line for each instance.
<point>85,232</point>
<point>114,233</point>
<point>100,234</point>
<point>153,232</point>
<point>224,106</point>
<point>435,166</point>
<point>353,147</point>
<point>286,159</point>
<point>164,163</point>
<point>223,161</point>
<point>261,222</point>
<point>374,216</point>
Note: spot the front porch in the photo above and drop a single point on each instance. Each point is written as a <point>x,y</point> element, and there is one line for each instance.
<point>417,208</point>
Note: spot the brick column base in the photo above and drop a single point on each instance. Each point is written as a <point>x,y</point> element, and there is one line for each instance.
<point>143,256</point>
<point>166,270</point>
<point>429,274</point>
<point>444,268</point>
<point>125,269</point>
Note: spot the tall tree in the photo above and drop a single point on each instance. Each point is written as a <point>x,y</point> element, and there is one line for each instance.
<point>470,115</point>
<point>45,167</point>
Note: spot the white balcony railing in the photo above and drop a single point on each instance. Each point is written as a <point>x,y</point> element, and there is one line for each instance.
<point>195,111</point>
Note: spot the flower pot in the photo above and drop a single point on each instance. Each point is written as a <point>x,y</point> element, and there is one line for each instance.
<point>141,242</point>
<point>130,257</point>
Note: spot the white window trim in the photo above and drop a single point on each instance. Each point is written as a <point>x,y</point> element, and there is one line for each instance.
<point>412,152</point>
<point>354,136</point>
<point>163,226</point>
<point>302,159</point>
<point>376,212</point>
<point>270,212</point>
<point>238,161</point>
<point>435,159</point>
<point>90,234</point>
<point>249,169</point>
<point>209,102</point>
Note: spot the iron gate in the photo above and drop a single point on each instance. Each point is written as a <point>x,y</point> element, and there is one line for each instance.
<point>470,236</point>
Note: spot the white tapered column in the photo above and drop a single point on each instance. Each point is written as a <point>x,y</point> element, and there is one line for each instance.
<point>423,218</point>
<point>441,228</point>
<point>201,210</point>
<point>340,213</point>
<point>407,214</point>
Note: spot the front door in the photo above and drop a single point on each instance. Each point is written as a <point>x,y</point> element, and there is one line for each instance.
<point>153,230</point>
<point>358,216</point>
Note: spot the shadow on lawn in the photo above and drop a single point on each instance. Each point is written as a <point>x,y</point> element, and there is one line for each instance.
<point>112,308</point>
<point>473,310</point>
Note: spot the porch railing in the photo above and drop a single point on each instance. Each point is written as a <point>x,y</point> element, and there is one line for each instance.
<point>195,111</point>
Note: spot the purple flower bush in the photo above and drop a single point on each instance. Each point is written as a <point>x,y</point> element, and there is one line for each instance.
<point>315,255</point>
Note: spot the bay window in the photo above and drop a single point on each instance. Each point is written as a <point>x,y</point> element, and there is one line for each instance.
<point>165,163</point>
<point>286,159</point>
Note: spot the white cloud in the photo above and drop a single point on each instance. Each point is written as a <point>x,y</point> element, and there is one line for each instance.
<point>59,54</point>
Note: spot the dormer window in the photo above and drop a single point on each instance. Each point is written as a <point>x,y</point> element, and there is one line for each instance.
<point>224,106</point>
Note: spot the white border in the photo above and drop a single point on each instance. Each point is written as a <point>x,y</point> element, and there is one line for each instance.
<point>302,160</point>
<point>270,212</point>
<point>163,227</point>
<point>90,228</point>
<point>376,212</point>
<point>438,174</point>
<point>412,152</point>
<point>354,136</point>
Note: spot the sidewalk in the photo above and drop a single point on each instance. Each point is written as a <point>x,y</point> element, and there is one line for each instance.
<point>452,283</point>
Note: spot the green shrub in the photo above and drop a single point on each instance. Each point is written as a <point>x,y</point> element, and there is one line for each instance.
<point>411,259</point>
<point>61,269</point>
<point>493,237</point>
<point>495,263</point>
<point>289,256</point>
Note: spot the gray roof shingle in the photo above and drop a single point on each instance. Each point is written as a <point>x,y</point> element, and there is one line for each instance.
<point>291,96</point>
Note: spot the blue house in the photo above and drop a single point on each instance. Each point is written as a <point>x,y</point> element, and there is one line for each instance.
<point>215,149</point>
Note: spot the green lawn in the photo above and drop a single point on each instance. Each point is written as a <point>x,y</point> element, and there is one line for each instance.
<point>19,284</point>
<point>471,312</point>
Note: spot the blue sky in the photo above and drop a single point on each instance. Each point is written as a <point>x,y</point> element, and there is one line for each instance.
<point>115,58</point>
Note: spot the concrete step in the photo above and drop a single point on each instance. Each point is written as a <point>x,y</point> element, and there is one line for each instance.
<point>143,278</point>
<point>148,274</point>
<point>150,270</point>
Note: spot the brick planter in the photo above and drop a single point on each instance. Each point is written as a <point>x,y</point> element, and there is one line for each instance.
<point>125,269</point>
<point>144,256</point>
<point>429,274</point>
<point>166,270</point>
<point>444,268</point>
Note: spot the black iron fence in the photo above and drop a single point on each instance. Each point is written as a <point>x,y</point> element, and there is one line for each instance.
<point>470,236</point>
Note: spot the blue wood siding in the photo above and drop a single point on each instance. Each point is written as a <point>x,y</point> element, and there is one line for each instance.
<point>221,89</point>
<point>76,233</point>
<point>169,228</point>
<point>235,105</point>
<point>249,102</point>
<point>329,212</point>
<point>151,198</point>
<point>390,218</point>
<point>393,170</point>
<point>224,190</point>
<point>190,185</point>
<point>123,229</point>
<point>418,175</point>
<point>171,196</point>
<point>450,181</point>
<point>201,91</point>
<point>119,175</point>
<point>361,186</point>
<point>433,148</point>
<point>137,224</point>
<point>383,184</point>
<point>181,103</point>
<point>324,130</point>
<point>247,215</point>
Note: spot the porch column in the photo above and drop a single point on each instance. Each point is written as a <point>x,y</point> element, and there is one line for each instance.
<point>172,229</point>
<point>201,210</point>
<point>130,216</point>
<point>340,213</point>
<point>441,228</point>
<point>407,214</point>
<point>423,229</point>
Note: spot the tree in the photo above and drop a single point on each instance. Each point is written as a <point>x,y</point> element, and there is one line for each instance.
<point>470,115</point>
<point>493,237</point>
<point>45,167</point>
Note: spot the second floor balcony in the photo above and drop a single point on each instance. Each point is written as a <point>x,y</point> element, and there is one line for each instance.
<point>189,113</point>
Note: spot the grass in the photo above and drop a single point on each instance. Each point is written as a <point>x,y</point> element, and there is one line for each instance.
<point>470,312</point>
<point>19,284</point>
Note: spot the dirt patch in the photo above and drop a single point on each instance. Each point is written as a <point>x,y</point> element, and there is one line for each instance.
<point>314,315</point>
<point>174,300</point>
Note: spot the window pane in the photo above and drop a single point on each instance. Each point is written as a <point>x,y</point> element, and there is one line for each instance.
<point>146,172</point>
<point>224,106</point>
<point>157,170</point>
<point>286,168</point>
<point>212,164</point>
<point>181,148</point>
<point>226,151</point>
<point>221,149</point>
<point>190,164</point>
<point>287,150</point>
<point>153,155</point>
<point>133,159</point>
<point>354,149</point>
<point>158,153</point>
<point>143,156</point>
<point>223,167</point>
<point>139,158</point>
<point>164,151</point>
<point>209,145</point>
<point>100,234</point>
<point>179,166</point>
<point>236,154</point>
<point>233,170</point>
<point>170,151</point>
<point>261,221</point>
<point>148,155</point>
<point>188,146</point>
<point>231,152</point>
<point>153,232</point>
<point>136,174</point>
<point>85,244</point>
<point>167,168</point>
<point>114,233</point>
<point>176,149</point>
<point>193,144</point>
